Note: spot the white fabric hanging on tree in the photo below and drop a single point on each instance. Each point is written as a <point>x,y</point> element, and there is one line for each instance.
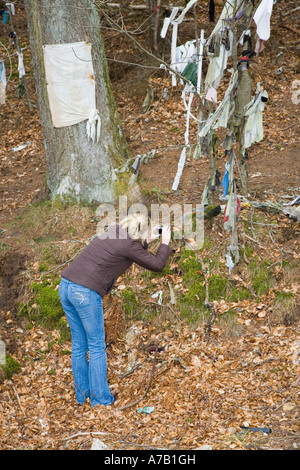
<point>71,86</point>
<point>253,129</point>
<point>218,63</point>
<point>3,82</point>
<point>186,139</point>
<point>184,54</point>
<point>171,20</point>
<point>262,18</point>
<point>21,68</point>
<point>12,7</point>
<point>222,111</point>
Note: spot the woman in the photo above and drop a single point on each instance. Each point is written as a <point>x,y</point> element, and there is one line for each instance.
<point>89,277</point>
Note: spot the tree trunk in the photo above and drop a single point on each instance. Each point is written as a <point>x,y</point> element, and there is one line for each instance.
<point>78,169</point>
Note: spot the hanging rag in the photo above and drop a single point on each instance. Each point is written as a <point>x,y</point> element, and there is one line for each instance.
<point>225,181</point>
<point>12,35</point>
<point>93,126</point>
<point>212,121</point>
<point>175,23</point>
<point>246,42</point>
<point>228,175</point>
<point>190,72</point>
<point>226,113</point>
<point>21,68</point>
<point>71,86</point>
<point>168,21</point>
<point>231,212</point>
<point>238,16</point>
<point>253,129</point>
<point>262,18</point>
<point>136,165</point>
<point>238,209</point>
<point>12,8</point>
<point>211,95</point>
<point>4,14</point>
<point>3,82</point>
<point>218,63</point>
<point>186,54</point>
<point>228,142</point>
<point>259,46</point>
<point>227,11</point>
<point>243,94</point>
<point>186,139</point>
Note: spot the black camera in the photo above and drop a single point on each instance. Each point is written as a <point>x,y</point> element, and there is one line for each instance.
<point>160,230</point>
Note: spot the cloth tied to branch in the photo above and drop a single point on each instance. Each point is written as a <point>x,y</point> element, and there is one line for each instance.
<point>262,18</point>
<point>3,82</point>
<point>175,23</point>
<point>253,130</point>
<point>21,68</point>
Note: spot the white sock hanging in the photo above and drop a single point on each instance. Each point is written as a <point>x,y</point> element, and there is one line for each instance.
<point>93,126</point>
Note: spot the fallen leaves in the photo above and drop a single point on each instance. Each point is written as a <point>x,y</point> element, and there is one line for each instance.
<point>202,392</point>
<point>217,386</point>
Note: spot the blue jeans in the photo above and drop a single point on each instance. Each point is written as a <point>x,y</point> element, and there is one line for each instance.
<point>84,312</point>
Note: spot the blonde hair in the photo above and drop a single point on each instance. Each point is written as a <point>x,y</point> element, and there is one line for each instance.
<point>136,225</point>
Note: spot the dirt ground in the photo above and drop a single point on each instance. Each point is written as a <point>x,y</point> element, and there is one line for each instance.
<point>202,392</point>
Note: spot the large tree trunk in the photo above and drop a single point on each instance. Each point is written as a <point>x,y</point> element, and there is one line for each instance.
<point>77,168</point>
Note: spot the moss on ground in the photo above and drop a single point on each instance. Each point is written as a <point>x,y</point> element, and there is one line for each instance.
<point>220,287</point>
<point>261,276</point>
<point>11,366</point>
<point>131,303</point>
<point>45,307</point>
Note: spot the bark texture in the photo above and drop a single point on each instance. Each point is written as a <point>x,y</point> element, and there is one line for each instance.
<point>77,168</point>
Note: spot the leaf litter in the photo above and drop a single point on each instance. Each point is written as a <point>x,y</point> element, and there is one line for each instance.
<point>202,390</point>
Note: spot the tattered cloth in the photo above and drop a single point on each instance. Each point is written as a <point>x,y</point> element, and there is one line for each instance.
<point>70,83</point>
<point>3,82</point>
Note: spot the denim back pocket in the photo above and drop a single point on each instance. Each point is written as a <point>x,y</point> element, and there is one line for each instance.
<point>80,296</point>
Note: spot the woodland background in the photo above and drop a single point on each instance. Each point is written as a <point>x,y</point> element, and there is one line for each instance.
<point>204,377</point>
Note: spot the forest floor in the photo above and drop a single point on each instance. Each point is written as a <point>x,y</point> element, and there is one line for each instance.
<point>202,386</point>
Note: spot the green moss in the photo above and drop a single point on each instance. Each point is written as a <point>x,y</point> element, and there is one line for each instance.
<point>239,293</point>
<point>45,306</point>
<point>191,303</point>
<point>10,367</point>
<point>148,275</point>
<point>189,264</point>
<point>121,184</point>
<point>131,304</point>
<point>220,287</point>
<point>261,276</point>
<point>282,296</point>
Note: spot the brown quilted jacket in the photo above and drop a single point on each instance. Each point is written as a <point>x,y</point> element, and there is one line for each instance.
<point>105,259</point>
